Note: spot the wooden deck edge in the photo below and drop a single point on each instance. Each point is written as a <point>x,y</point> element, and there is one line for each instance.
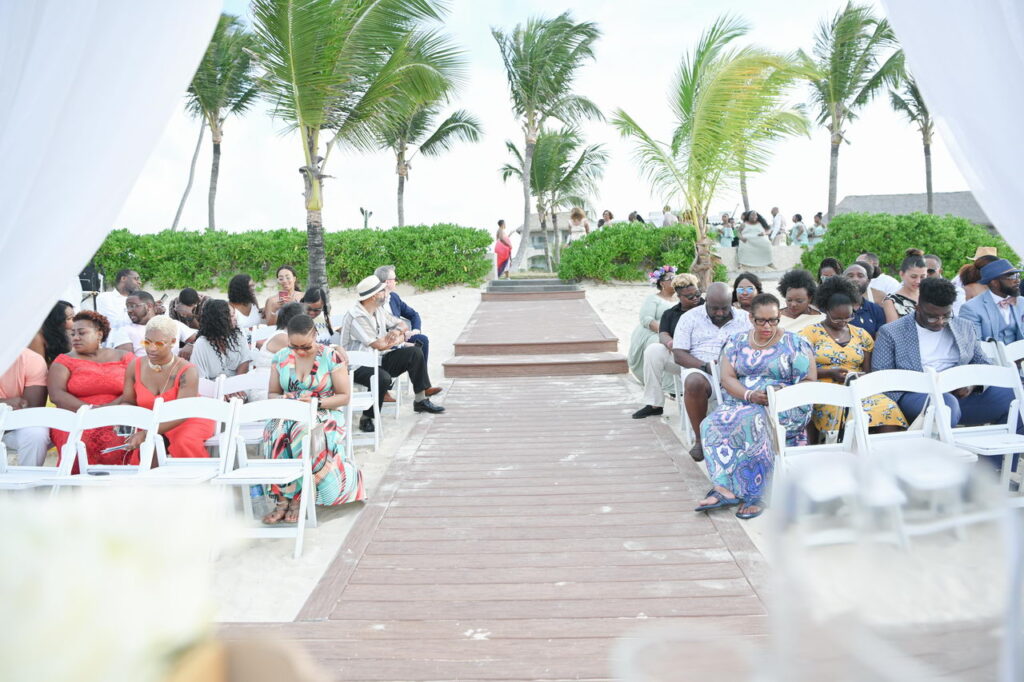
<point>532,296</point>
<point>603,345</point>
<point>545,370</point>
<point>322,600</point>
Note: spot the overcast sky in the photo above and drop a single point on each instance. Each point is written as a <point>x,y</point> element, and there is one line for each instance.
<point>642,43</point>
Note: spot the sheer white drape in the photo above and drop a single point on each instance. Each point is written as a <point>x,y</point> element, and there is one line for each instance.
<point>968,59</point>
<point>86,88</point>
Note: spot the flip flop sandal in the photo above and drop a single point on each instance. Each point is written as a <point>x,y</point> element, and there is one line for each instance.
<point>723,501</point>
<point>740,514</point>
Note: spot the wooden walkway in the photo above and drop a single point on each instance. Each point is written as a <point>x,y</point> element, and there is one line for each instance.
<point>518,536</point>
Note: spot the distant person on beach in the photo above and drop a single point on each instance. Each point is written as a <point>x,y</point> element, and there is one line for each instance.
<point>777,234</point>
<point>503,249</point>
<point>799,234</point>
<point>606,218</point>
<point>726,234</point>
<point>668,217</point>
<point>817,230</point>
<point>755,249</point>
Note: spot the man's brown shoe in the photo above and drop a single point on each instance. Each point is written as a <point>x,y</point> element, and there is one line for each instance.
<point>388,398</point>
<point>432,391</point>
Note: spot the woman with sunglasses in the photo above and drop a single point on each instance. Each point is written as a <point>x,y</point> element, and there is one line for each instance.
<point>738,436</point>
<point>89,375</point>
<point>746,286</point>
<point>161,374</point>
<point>839,349</point>
<point>303,370</point>
<point>653,307</point>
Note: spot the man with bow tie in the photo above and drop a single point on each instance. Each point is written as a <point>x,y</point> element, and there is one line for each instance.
<point>999,313</point>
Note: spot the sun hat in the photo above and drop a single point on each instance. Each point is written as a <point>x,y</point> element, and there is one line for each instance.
<point>983,251</point>
<point>369,286</point>
<point>995,270</point>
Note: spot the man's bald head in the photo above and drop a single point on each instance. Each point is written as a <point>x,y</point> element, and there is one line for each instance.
<point>719,292</point>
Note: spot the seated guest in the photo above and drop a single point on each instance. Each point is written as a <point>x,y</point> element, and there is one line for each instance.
<point>187,307</point>
<point>242,298</point>
<point>111,304</point>
<point>24,385</point>
<point>797,288</point>
<point>164,375</point>
<point>89,375</point>
<point>53,338</point>
<point>867,314</point>
<point>400,308</point>
<point>303,370</point>
<point>651,310</point>
<point>738,436</point>
<point>999,314</point>
<point>368,325</point>
<point>287,292</point>
<point>829,267</point>
<point>659,366</point>
<point>933,265</point>
<point>882,284</point>
<point>220,346</point>
<point>932,337</point>
<point>698,340</point>
<point>744,289</point>
<point>969,276</point>
<point>141,309</point>
<point>264,355</point>
<point>840,348</point>
<point>317,305</point>
<point>903,301</point>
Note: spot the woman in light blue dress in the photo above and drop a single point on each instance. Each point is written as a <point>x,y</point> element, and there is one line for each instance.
<point>654,306</point>
<point>737,436</point>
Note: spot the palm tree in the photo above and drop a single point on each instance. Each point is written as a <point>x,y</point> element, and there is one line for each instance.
<point>541,61</point>
<point>416,131</point>
<point>561,175</point>
<point>720,97</point>
<point>848,52</point>
<point>223,85</point>
<point>191,176</point>
<point>338,68</point>
<point>910,103</point>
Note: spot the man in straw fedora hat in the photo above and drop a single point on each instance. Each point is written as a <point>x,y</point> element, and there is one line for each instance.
<point>369,325</point>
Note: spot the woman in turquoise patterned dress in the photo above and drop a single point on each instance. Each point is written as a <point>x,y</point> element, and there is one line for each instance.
<point>302,370</point>
<point>737,436</point>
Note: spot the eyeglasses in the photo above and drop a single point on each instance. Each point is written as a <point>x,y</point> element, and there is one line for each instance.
<point>745,290</point>
<point>155,344</point>
<point>766,321</point>
<point>936,320</point>
<point>307,347</point>
<point>840,319</point>
<point>690,297</point>
<point>1015,276</point>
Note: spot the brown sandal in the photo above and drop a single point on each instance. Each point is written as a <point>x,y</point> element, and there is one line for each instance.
<point>292,516</point>
<point>279,512</point>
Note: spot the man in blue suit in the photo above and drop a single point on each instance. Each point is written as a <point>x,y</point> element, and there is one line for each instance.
<point>399,308</point>
<point>999,313</point>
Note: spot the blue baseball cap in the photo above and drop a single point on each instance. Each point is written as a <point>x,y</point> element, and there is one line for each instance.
<point>995,270</point>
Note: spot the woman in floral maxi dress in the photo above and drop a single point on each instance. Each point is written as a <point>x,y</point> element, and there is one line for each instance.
<point>302,370</point>
<point>737,436</point>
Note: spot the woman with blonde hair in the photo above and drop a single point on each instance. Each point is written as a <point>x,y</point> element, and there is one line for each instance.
<point>578,219</point>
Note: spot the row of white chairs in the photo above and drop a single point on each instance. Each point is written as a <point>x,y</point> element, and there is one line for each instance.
<point>228,466</point>
<point>875,470</point>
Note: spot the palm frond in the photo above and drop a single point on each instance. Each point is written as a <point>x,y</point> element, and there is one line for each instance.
<point>460,126</point>
<point>654,158</point>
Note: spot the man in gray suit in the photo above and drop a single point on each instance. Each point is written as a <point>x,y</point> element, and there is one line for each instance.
<point>931,337</point>
<point>999,313</point>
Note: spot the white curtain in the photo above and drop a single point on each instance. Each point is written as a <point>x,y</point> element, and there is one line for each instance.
<point>86,88</point>
<point>968,59</point>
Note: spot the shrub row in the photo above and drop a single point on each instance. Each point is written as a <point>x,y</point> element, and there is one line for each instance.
<point>952,239</point>
<point>426,256</point>
<point>628,251</point>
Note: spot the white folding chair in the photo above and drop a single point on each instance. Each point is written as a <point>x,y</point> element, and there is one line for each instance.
<point>262,333</point>
<point>989,440</point>
<point>363,400</point>
<point>242,472</point>
<point>679,382</point>
<point>209,388</point>
<point>820,472</point>
<point>19,477</point>
<point>194,470</point>
<point>1013,353</point>
<point>992,351</point>
<point>115,416</point>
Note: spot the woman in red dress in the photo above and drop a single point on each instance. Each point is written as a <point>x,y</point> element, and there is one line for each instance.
<point>161,374</point>
<point>89,375</point>
<point>502,248</point>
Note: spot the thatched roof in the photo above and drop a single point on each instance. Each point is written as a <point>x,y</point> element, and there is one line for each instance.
<point>960,204</point>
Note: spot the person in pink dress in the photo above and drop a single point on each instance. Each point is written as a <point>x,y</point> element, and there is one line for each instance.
<point>502,249</point>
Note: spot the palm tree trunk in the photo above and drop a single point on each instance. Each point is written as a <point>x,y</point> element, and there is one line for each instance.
<point>928,176</point>
<point>702,266</point>
<point>743,191</point>
<point>403,171</point>
<point>312,180</point>
<point>833,176</point>
<point>191,176</point>
<point>315,247</point>
<point>525,234</point>
<point>542,215</point>
<point>214,172</point>
<point>558,240</point>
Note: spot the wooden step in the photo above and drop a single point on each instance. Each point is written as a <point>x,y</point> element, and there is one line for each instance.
<point>550,364</point>
<point>595,345</point>
<point>517,295</point>
<point>537,282</point>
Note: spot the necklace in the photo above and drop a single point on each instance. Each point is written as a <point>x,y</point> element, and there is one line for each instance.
<point>167,379</point>
<point>767,343</point>
<point>159,368</point>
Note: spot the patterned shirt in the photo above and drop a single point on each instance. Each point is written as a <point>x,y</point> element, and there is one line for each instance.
<point>701,338</point>
<point>360,328</point>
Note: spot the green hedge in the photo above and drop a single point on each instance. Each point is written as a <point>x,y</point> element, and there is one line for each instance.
<point>426,256</point>
<point>950,238</point>
<point>628,251</point>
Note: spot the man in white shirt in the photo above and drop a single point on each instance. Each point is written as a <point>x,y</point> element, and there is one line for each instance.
<point>778,231</point>
<point>700,335</point>
<point>882,283</point>
<point>668,217</point>
<point>111,304</point>
<point>141,307</point>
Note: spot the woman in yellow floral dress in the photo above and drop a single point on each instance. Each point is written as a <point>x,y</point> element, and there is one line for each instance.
<point>841,348</point>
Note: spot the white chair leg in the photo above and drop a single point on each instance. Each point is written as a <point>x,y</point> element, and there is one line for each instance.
<point>1004,474</point>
